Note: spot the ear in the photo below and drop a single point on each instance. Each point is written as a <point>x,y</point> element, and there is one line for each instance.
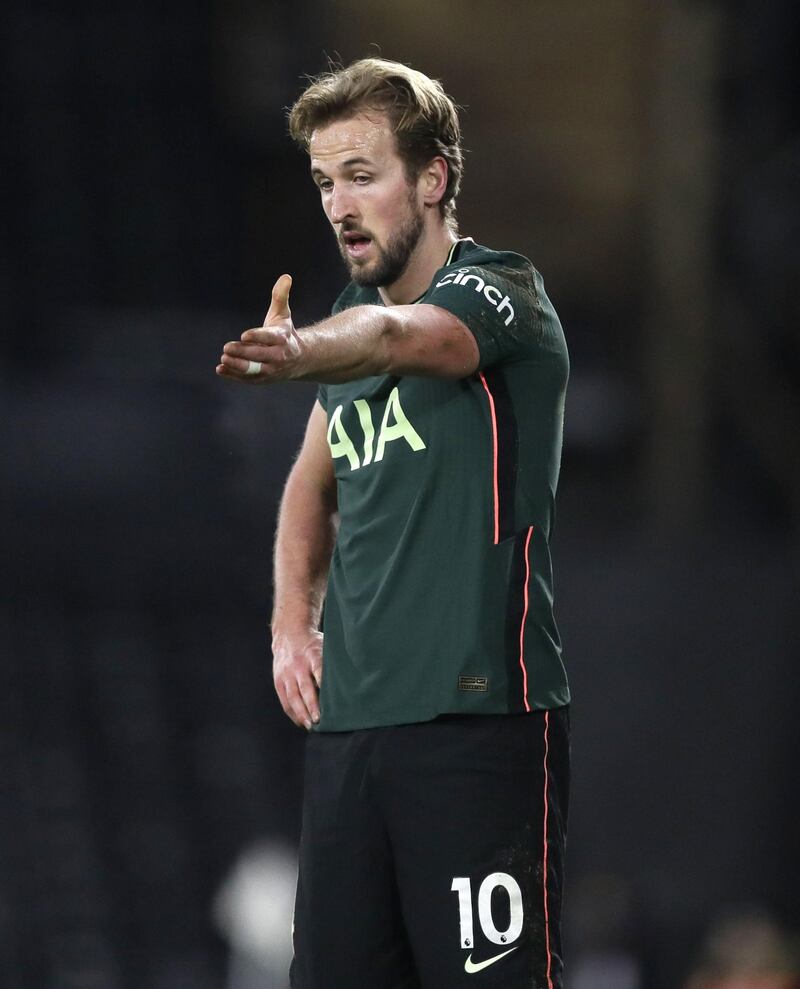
<point>433,181</point>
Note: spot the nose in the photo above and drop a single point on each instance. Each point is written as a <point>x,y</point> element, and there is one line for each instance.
<point>342,205</point>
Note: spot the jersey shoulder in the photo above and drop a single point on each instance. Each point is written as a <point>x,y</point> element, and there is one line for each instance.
<point>500,297</point>
<point>467,253</point>
<point>508,270</point>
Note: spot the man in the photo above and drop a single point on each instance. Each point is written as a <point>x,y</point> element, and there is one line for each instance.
<point>419,510</point>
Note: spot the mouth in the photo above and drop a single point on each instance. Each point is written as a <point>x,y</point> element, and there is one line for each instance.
<point>356,244</point>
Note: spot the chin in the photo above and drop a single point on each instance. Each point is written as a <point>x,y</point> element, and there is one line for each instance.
<point>363,277</point>
<point>365,274</point>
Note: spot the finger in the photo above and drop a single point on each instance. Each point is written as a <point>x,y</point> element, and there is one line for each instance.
<point>225,371</point>
<point>252,351</point>
<point>267,358</point>
<point>299,712</point>
<point>273,336</point>
<point>287,694</point>
<point>237,364</point>
<point>316,672</point>
<point>279,306</point>
<point>308,692</point>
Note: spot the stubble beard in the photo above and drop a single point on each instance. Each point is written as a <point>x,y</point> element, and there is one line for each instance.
<point>393,259</point>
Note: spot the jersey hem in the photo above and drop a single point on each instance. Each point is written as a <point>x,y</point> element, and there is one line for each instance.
<point>396,719</point>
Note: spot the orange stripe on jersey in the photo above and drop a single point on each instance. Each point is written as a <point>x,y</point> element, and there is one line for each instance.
<point>522,623</point>
<point>493,414</point>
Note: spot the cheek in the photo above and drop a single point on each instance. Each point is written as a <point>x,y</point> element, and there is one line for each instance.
<point>390,211</point>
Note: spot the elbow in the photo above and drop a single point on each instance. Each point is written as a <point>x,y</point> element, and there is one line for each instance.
<point>428,341</point>
<point>394,340</point>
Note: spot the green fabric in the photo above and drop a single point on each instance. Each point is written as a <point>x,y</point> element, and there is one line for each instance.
<point>440,591</point>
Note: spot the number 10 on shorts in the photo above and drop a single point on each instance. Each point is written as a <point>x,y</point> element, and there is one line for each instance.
<point>463,886</point>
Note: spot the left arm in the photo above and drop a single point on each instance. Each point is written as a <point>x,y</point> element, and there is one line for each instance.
<point>366,340</point>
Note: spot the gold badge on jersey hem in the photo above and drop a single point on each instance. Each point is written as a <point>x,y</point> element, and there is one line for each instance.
<point>473,683</point>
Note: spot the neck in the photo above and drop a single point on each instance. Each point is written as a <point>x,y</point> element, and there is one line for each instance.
<point>428,256</point>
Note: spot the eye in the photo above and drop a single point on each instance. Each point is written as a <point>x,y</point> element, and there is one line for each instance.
<point>362,179</point>
<point>325,185</point>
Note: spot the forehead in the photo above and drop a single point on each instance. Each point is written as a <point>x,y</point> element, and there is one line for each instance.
<point>366,135</point>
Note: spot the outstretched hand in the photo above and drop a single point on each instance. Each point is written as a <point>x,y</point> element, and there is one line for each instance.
<point>269,352</point>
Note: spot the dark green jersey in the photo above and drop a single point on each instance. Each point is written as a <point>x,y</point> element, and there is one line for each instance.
<point>440,591</point>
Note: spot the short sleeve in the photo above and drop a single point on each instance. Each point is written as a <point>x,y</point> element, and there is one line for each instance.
<point>499,304</point>
<point>322,396</point>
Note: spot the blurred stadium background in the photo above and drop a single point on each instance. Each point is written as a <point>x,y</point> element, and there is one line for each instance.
<point>646,157</point>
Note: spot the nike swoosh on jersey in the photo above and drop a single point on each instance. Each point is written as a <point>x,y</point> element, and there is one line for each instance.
<point>470,966</point>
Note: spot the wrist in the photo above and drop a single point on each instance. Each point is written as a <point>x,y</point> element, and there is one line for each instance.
<point>284,630</point>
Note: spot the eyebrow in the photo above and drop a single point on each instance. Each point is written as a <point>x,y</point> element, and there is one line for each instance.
<point>358,160</point>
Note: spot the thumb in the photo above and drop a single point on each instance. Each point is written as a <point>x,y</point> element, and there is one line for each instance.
<point>279,306</point>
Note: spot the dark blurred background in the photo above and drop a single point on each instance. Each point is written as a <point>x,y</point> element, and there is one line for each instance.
<point>646,157</point>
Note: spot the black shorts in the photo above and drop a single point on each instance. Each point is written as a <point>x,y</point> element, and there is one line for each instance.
<point>432,855</point>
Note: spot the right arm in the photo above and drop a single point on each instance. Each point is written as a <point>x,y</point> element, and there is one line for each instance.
<point>303,548</point>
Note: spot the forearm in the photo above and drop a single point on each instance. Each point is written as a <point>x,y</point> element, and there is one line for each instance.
<point>353,344</point>
<point>303,547</point>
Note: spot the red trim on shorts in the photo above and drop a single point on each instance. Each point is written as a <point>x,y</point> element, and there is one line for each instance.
<point>494,457</point>
<point>544,858</point>
<point>523,667</point>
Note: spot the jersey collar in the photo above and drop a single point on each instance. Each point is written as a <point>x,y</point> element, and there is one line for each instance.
<point>453,255</point>
<point>455,250</point>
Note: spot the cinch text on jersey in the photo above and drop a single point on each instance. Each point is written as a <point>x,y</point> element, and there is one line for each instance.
<point>464,275</point>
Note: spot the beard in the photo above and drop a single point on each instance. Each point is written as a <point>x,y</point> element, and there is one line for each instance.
<point>392,259</point>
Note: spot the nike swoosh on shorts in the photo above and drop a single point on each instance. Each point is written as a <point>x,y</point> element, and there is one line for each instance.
<point>470,966</point>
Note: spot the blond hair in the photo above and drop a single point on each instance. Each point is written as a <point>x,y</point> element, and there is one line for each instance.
<point>423,117</point>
